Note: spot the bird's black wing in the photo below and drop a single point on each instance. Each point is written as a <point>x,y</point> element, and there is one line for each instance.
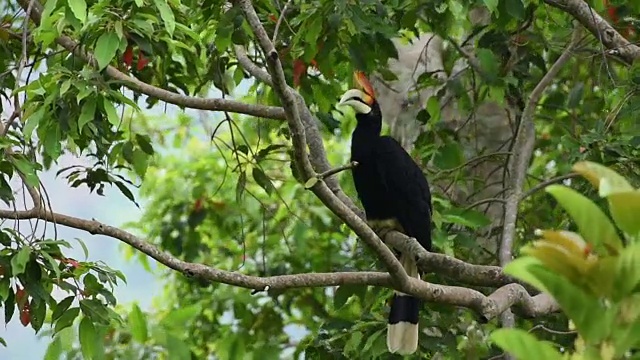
<point>407,188</point>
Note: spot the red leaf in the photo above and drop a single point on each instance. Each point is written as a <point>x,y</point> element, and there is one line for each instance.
<point>127,57</point>
<point>142,61</point>
<point>25,316</point>
<point>72,262</point>
<point>299,68</point>
<point>20,296</point>
<point>198,205</point>
<point>273,18</point>
<point>612,11</point>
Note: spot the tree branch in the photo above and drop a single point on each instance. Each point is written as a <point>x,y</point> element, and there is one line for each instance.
<point>317,153</point>
<point>270,112</point>
<point>450,267</point>
<point>336,170</point>
<point>599,27</point>
<point>486,306</point>
<point>519,161</point>
<point>524,142</point>
<point>292,104</point>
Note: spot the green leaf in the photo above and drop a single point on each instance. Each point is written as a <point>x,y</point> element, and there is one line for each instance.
<point>607,181</point>
<point>19,261</point>
<point>140,162</point>
<point>85,251</point>
<point>372,340</point>
<point>33,121</point>
<point>167,15</point>
<point>312,30</point>
<point>523,345</point>
<point>515,8</point>
<point>5,288</point>
<point>433,108</point>
<point>61,308</point>
<point>9,306</point>
<point>587,313</point>
<point>242,183</point>
<point>88,338</point>
<point>66,319</point>
<point>54,350</point>
<point>87,113</point>
<point>343,293</point>
<point>261,178</point>
<point>492,5</point>
<point>106,48</point>
<point>26,168</point>
<point>144,142</point>
<point>178,318</point>
<point>138,324</point>
<point>112,115</point>
<point>595,227</point>
<point>125,191</point>
<point>575,96</point>
<point>95,310</point>
<point>53,265</point>
<point>38,313</point>
<point>488,64</point>
<point>449,156</point>
<point>625,209</point>
<point>469,218</point>
<point>179,350</point>
<point>627,275</point>
<point>353,344</point>
<point>79,9</point>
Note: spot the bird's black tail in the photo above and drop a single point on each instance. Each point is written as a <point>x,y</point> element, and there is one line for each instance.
<point>402,331</point>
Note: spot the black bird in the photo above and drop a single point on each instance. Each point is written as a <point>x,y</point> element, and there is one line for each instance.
<point>395,195</point>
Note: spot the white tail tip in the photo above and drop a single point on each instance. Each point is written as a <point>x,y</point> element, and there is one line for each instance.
<point>402,338</point>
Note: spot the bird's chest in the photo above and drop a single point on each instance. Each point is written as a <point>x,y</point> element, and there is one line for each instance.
<point>372,190</point>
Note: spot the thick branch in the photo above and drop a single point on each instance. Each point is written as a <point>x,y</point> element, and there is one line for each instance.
<point>450,267</point>
<point>270,112</point>
<point>487,306</point>
<point>524,142</point>
<point>599,27</point>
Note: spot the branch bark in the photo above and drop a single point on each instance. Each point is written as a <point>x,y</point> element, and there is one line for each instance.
<point>488,307</point>
<point>600,28</point>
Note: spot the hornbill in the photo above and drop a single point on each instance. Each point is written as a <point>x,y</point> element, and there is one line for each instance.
<point>395,195</point>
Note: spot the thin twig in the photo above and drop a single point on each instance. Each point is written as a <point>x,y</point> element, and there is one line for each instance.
<point>283,13</point>
<point>334,171</point>
<point>546,183</point>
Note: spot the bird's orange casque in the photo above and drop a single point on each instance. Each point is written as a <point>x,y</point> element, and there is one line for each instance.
<point>361,80</point>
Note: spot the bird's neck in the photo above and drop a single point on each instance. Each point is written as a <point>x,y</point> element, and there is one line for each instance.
<point>363,139</point>
<point>368,126</point>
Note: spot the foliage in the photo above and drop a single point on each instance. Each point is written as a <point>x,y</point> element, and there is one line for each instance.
<point>592,274</point>
<point>224,193</point>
